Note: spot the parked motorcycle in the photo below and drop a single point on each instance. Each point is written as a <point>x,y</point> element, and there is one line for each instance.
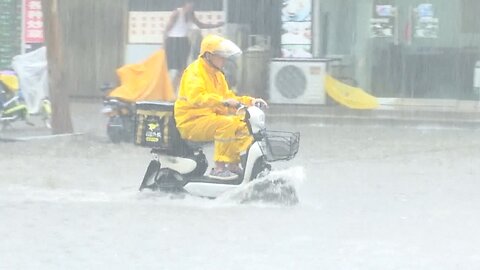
<point>12,103</point>
<point>121,116</point>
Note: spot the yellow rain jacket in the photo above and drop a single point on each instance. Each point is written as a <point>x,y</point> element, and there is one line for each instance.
<point>201,116</point>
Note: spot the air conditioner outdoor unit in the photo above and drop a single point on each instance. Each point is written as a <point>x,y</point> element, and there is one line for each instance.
<point>297,81</point>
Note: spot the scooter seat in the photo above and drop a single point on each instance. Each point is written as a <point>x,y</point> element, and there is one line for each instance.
<point>197,145</point>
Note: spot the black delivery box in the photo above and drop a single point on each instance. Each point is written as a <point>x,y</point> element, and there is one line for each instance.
<point>155,125</point>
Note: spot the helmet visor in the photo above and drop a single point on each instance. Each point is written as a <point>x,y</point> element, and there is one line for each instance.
<point>227,49</point>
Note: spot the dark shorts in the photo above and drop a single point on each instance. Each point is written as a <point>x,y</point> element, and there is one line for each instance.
<point>178,50</point>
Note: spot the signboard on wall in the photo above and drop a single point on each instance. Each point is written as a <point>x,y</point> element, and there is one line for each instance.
<point>10,29</point>
<point>33,22</point>
<point>426,25</point>
<point>296,39</point>
<point>383,21</point>
<point>148,27</point>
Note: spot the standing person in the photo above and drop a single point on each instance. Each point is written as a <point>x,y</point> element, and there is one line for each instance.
<point>202,107</point>
<point>177,43</point>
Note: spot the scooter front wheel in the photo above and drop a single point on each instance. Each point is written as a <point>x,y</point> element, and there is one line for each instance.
<point>260,169</point>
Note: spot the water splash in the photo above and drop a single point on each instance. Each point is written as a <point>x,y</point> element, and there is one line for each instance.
<point>278,188</point>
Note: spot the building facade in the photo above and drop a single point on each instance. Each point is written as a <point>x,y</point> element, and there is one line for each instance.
<point>422,49</point>
<point>406,48</point>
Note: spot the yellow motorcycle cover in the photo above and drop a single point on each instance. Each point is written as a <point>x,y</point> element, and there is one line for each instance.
<point>10,81</point>
<point>352,97</point>
<point>147,81</point>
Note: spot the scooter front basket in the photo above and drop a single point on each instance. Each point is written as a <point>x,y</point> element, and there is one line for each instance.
<point>280,145</point>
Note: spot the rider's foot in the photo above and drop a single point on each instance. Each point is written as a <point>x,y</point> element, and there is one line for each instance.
<point>222,174</point>
<point>235,169</point>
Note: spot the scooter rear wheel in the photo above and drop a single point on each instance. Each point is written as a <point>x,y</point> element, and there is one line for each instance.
<point>170,181</point>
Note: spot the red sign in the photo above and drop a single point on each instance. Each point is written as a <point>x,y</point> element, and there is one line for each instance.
<point>33,19</point>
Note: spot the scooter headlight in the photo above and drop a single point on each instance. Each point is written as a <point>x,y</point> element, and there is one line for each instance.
<point>256,119</point>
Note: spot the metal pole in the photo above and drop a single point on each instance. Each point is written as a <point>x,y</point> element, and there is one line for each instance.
<point>396,31</point>
<point>225,10</point>
<point>317,33</point>
<point>22,35</point>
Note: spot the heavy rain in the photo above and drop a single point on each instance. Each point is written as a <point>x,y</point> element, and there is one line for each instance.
<point>135,135</point>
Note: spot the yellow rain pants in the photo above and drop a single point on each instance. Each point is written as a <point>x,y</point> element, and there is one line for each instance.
<point>201,116</point>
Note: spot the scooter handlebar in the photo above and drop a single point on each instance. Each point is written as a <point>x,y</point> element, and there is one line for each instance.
<point>240,105</point>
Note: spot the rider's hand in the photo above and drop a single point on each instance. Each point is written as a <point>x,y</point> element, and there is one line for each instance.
<point>231,103</point>
<point>260,103</point>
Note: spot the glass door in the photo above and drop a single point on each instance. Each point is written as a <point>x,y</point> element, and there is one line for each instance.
<point>425,49</point>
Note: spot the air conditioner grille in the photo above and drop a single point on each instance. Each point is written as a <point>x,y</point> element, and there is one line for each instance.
<point>291,82</point>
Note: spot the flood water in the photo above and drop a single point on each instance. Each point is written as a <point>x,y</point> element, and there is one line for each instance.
<point>371,197</point>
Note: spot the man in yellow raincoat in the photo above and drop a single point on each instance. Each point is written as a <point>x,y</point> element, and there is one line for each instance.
<point>203,107</point>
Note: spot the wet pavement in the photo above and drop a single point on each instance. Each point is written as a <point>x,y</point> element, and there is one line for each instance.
<point>87,118</point>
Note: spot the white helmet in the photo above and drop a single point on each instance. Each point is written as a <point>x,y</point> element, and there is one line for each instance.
<point>219,46</point>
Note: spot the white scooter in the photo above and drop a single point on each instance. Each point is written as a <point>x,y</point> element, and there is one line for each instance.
<point>179,166</point>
